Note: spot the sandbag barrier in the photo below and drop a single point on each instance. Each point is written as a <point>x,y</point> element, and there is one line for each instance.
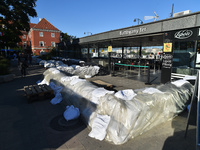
<point>128,118</point>
<point>137,66</point>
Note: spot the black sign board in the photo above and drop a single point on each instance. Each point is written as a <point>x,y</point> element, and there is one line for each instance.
<point>183,34</point>
<point>166,67</point>
<point>167,61</point>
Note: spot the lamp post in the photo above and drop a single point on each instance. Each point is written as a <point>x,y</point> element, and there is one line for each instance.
<point>139,21</point>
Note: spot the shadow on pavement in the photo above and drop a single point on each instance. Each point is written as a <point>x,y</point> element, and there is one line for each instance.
<point>178,141</point>
<point>27,126</point>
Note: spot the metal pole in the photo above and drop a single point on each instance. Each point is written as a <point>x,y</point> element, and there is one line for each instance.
<point>98,51</point>
<point>88,53</point>
<point>154,71</point>
<point>148,76</point>
<point>122,54</point>
<point>113,67</point>
<point>109,62</point>
<point>198,119</point>
<point>139,68</point>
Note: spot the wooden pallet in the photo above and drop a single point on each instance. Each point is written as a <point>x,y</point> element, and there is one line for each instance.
<point>38,92</point>
<point>102,84</point>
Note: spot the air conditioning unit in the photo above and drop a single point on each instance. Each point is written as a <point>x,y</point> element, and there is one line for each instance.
<point>181,13</point>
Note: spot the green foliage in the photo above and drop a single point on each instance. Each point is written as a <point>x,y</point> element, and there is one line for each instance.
<point>14,16</point>
<point>4,66</point>
<point>65,37</point>
<point>53,52</point>
<point>48,56</point>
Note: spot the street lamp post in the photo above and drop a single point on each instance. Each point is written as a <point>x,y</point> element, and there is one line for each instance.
<point>139,21</point>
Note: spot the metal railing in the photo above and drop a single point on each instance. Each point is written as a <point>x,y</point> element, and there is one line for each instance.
<point>136,66</point>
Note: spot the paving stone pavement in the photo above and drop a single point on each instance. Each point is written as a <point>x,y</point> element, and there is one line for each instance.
<point>26,126</point>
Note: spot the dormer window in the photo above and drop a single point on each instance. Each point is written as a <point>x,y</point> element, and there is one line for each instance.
<point>41,34</point>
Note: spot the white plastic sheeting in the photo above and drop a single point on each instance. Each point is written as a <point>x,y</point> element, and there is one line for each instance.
<point>99,127</point>
<point>151,90</point>
<point>129,117</point>
<point>83,72</point>
<point>98,93</point>
<point>125,94</point>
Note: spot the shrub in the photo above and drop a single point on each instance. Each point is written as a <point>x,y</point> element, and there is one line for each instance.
<point>4,66</point>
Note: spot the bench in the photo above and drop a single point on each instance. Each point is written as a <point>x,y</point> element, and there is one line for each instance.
<point>38,92</point>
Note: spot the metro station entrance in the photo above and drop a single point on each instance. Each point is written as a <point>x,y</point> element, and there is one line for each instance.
<point>143,51</point>
<point>130,45</point>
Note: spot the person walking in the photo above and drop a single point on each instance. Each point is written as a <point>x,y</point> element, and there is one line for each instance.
<point>23,65</point>
<point>30,60</point>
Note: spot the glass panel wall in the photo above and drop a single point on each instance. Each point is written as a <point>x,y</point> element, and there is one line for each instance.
<point>103,52</point>
<point>84,52</point>
<point>198,55</point>
<point>184,57</point>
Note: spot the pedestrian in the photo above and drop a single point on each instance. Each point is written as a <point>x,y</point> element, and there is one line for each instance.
<point>15,56</point>
<point>30,60</point>
<point>23,65</point>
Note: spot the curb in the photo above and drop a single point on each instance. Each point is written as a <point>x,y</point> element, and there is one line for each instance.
<point>6,78</point>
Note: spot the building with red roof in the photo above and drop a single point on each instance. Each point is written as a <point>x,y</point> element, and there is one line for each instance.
<point>42,37</point>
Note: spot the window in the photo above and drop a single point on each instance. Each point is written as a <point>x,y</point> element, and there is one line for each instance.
<point>52,34</point>
<point>41,43</point>
<point>41,34</point>
<point>24,36</point>
<point>53,44</point>
<point>183,55</point>
<point>24,44</point>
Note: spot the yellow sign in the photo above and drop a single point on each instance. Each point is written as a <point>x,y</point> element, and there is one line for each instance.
<point>109,48</point>
<point>167,47</point>
<point>102,50</point>
<point>92,50</point>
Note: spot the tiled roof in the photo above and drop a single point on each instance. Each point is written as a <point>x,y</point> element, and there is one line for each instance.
<point>32,25</point>
<point>44,24</point>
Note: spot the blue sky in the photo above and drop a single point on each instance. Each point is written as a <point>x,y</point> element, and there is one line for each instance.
<point>78,16</point>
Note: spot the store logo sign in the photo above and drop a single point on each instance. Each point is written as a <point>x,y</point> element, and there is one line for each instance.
<point>183,34</point>
<point>133,31</point>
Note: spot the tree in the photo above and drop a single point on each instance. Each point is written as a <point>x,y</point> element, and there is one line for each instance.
<point>67,38</point>
<point>14,18</point>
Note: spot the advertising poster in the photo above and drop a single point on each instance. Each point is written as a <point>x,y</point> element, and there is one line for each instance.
<point>109,48</point>
<point>167,47</point>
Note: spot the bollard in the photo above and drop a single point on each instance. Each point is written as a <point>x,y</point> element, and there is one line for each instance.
<point>148,77</point>
<point>154,71</point>
<point>113,68</point>
<point>139,69</point>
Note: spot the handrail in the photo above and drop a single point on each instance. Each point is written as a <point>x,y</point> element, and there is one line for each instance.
<point>131,65</point>
<point>148,76</point>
